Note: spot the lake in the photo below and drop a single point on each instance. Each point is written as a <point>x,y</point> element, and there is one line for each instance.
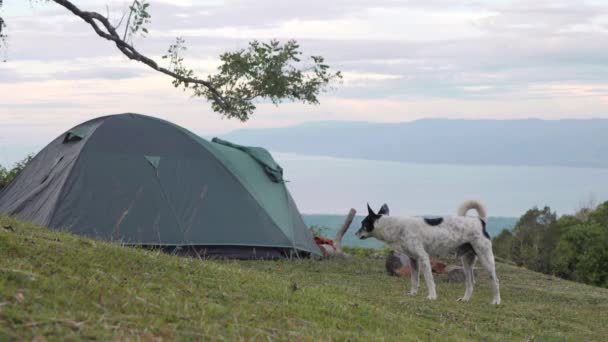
<point>322,186</point>
<point>328,185</point>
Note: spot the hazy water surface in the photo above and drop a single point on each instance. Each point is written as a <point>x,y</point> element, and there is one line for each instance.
<point>333,185</point>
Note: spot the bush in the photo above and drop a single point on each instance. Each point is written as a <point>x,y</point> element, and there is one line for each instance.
<point>574,246</point>
<point>503,245</point>
<point>600,214</point>
<point>533,238</point>
<point>6,175</point>
<point>582,254</point>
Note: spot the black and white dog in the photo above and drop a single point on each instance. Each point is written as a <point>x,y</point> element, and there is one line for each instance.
<point>418,238</point>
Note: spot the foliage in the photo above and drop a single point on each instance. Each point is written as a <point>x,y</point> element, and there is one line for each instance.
<point>7,175</point>
<point>61,287</point>
<point>503,245</point>
<point>266,71</point>
<point>532,238</point>
<point>600,214</point>
<point>582,254</point>
<point>138,12</point>
<point>573,246</point>
<point>2,29</point>
<point>271,71</point>
<point>263,70</point>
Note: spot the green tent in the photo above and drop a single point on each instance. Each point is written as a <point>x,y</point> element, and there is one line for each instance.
<point>139,180</point>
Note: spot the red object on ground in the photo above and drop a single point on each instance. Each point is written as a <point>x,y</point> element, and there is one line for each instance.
<point>436,265</point>
<point>323,241</point>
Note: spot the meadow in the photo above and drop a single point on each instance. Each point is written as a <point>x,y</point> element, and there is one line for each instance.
<point>58,286</point>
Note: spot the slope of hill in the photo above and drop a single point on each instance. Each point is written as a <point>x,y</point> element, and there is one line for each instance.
<point>580,143</point>
<point>56,286</point>
<point>331,224</point>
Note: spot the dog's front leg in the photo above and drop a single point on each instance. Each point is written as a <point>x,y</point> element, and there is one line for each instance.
<point>415,276</point>
<point>428,276</point>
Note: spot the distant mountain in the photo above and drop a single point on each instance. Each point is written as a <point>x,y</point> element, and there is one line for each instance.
<point>331,224</point>
<point>576,143</point>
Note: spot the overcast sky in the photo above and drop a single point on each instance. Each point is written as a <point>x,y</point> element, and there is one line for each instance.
<point>402,60</point>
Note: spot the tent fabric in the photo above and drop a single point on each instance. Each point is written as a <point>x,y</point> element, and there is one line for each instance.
<point>260,155</point>
<point>79,132</point>
<point>153,160</point>
<point>139,180</point>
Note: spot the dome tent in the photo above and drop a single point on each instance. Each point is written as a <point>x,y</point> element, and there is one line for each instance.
<point>140,180</point>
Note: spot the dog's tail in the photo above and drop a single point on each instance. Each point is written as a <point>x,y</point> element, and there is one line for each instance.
<point>481,212</point>
<point>471,204</point>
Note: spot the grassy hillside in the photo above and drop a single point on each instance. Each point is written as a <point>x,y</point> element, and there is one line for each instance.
<point>60,286</point>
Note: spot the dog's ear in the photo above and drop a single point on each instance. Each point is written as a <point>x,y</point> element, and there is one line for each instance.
<point>384,210</point>
<point>370,212</point>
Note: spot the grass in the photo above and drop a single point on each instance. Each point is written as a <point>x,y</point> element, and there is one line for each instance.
<point>64,287</point>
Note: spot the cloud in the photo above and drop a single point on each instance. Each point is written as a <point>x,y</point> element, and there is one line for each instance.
<point>402,60</point>
<point>108,68</point>
<point>545,18</point>
<point>343,20</point>
<point>358,78</point>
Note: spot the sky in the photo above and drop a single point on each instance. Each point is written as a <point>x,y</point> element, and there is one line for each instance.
<point>402,60</point>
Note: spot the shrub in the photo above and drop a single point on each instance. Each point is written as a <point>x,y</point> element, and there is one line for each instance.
<point>6,175</point>
<point>582,254</point>
<point>574,246</point>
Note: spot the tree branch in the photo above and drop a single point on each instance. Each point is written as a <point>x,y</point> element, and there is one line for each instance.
<point>124,36</point>
<point>93,18</point>
<point>269,71</point>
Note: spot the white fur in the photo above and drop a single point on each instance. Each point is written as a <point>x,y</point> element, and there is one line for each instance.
<point>470,204</point>
<point>413,237</point>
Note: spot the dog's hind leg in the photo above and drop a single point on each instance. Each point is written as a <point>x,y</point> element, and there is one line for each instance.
<point>486,257</point>
<point>425,265</point>
<point>415,276</point>
<point>468,261</point>
<point>473,272</point>
<point>463,250</point>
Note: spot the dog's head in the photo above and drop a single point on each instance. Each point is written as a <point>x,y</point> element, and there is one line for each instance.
<point>368,223</point>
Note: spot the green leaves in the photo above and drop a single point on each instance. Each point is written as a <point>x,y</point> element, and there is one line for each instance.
<point>269,71</point>
<point>7,175</point>
<point>176,63</point>
<point>2,35</point>
<point>574,246</point>
<point>582,254</point>
<point>2,29</point>
<point>138,18</point>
